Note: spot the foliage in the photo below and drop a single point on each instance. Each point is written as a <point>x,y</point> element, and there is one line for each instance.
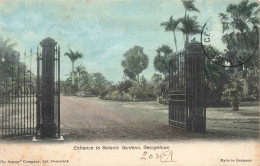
<point>239,16</point>
<point>239,34</point>
<point>11,67</point>
<point>189,26</point>
<point>67,88</point>
<point>129,91</point>
<point>171,25</point>
<point>135,61</point>
<point>73,57</point>
<point>142,92</point>
<point>161,60</point>
<point>98,82</point>
<point>125,86</point>
<point>214,73</point>
<point>252,85</point>
<point>117,96</point>
<point>233,95</point>
<point>156,78</point>
<point>86,84</point>
<point>189,6</point>
<point>233,89</point>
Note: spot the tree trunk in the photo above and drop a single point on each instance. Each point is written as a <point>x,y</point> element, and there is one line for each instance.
<point>72,74</point>
<point>175,41</point>
<point>1,70</point>
<point>183,35</point>
<point>187,40</point>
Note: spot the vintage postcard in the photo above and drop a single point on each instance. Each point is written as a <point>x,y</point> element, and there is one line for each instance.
<point>129,82</point>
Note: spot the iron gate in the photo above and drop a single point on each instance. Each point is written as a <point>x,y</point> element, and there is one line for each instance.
<point>21,92</point>
<point>186,80</point>
<point>18,109</point>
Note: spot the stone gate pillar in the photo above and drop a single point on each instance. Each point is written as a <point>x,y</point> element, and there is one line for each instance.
<point>48,128</point>
<point>195,62</point>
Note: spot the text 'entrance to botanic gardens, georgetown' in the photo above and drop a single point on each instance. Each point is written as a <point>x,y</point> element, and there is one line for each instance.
<point>186,78</point>
<point>30,101</point>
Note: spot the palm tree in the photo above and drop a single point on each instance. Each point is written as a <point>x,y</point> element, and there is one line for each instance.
<point>73,57</point>
<point>171,25</point>
<point>240,17</point>
<point>189,6</point>
<point>189,27</point>
<point>161,60</point>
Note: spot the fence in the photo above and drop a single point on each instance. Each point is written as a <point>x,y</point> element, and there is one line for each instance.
<point>18,109</point>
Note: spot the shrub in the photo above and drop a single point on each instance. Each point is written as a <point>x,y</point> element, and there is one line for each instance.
<point>125,86</point>
<point>127,97</point>
<point>129,91</point>
<point>142,92</point>
<point>234,90</point>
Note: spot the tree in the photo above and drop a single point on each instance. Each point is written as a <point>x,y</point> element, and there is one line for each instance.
<point>80,70</point>
<point>186,21</point>
<point>161,60</point>
<point>171,25</point>
<point>98,83</point>
<point>241,18</point>
<point>82,76</point>
<point>156,78</point>
<point>73,57</point>
<point>6,52</point>
<point>189,27</point>
<point>135,61</point>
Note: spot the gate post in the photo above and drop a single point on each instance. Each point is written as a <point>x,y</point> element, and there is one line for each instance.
<point>195,61</point>
<point>48,128</point>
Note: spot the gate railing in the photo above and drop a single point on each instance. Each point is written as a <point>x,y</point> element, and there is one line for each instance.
<point>17,107</point>
<point>30,104</point>
<point>186,81</point>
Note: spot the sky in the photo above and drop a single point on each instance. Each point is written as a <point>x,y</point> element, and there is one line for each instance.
<point>103,30</point>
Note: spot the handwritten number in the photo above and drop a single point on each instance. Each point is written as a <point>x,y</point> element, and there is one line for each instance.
<point>151,156</point>
<point>145,153</point>
<point>167,156</point>
<point>164,157</point>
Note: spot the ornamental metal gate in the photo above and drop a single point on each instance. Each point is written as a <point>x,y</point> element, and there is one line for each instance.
<point>21,91</point>
<point>186,80</point>
<point>18,89</point>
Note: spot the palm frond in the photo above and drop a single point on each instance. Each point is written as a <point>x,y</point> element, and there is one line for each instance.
<point>189,6</point>
<point>190,26</point>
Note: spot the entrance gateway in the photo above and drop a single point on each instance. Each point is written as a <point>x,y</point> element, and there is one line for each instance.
<point>186,85</point>
<point>31,104</point>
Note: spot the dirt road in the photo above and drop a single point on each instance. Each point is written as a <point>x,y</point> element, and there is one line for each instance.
<point>94,119</point>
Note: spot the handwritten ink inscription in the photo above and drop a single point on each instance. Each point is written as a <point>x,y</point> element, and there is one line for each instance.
<point>163,157</point>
